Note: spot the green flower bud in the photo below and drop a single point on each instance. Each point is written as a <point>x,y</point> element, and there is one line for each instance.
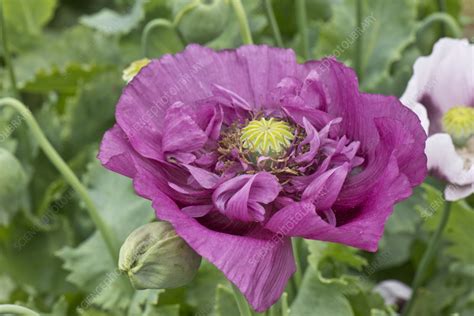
<point>200,21</point>
<point>155,257</point>
<point>133,69</point>
<point>13,182</point>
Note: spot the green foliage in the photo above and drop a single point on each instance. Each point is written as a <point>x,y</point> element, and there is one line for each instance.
<point>25,19</point>
<point>379,50</point>
<point>316,298</point>
<point>89,265</point>
<point>111,22</point>
<point>68,57</point>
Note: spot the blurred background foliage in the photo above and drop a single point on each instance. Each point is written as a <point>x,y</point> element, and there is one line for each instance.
<point>68,56</point>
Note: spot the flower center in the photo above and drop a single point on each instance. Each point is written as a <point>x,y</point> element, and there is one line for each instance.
<point>267,137</point>
<point>459,123</point>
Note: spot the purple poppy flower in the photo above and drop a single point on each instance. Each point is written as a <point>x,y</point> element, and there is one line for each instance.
<point>242,149</point>
<point>441,92</point>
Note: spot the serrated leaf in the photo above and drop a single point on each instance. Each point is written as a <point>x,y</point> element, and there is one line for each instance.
<point>337,256</point>
<point>64,81</point>
<point>89,114</point>
<point>110,22</point>
<point>316,298</point>
<point>90,266</point>
<point>379,50</point>
<point>27,256</point>
<point>57,51</point>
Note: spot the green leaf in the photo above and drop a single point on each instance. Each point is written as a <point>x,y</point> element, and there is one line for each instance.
<point>317,298</point>
<point>110,22</point>
<point>201,292</point>
<point>395,82</point>
<point>329,259</point>
<point>90,266</point>
<point>64,81</point>
<point>25,19</point>
<point>57,52</point>
<point>458,232</point>
<point>27,256</point>
<point>89,114</point>
<point>385,35</point>
<point>225,302</point>
<point>166,310</point>
<point>28,16</point>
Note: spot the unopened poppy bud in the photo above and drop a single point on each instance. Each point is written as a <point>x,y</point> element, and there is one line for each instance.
<point>201,21</point>
<point>13,181</point>
<point>155,257</point>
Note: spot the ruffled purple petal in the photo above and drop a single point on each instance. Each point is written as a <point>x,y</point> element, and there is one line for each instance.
<point>259,263</point>
<point>240,198</point>
<point>362,229</point>
<point>324,189</point>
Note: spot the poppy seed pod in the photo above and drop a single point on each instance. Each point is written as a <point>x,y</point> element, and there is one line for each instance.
<point>13,182</point>
<point>203,20</point>
<point>155,257</point>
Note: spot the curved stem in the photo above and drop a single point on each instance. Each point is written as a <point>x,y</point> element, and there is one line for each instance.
<point>6,52</point>
<point>273,22</point>
<point>440,17</point>
<point>185,10</point>
<point>150,27</point>
<point>243,22</point>
<point>303,26</point>
<point>427,258</point>
<point>67,173</point>
<point>17,310</point>
<point>358,48</point>
<point>298,276</point>
<point>442,8</point>
<point>244,308</point>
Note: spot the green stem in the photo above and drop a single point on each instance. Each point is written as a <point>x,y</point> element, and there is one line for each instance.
<point>427,258</point>
<point>17,310</point>
<point>358,48</point>
<point>150,27</point>
<point>442,8</point>
<point>67,173</point>
<point>303,26</point>
<point>243,22</point>
<point>191,6</point>
<point>298,276</point>
<point>244,308</point>
<point>6,52</point>
<point>273,22</point>
<point>284,304</point>
<point>443,18</point>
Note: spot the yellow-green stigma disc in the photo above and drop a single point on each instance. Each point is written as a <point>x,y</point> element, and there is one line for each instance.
<point>267,137</point>
<point>459,123</point>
